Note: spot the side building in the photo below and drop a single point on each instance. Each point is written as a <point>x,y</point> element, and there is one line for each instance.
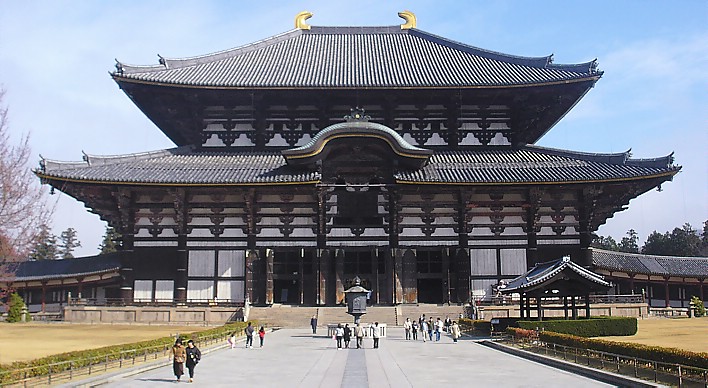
<point>324,153</point>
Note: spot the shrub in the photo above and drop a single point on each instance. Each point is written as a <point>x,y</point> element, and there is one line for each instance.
<point>477,325</point>
<point>16,308</point>
<point>593,327</point>
<point>699,307</point>
<point>652,353</point>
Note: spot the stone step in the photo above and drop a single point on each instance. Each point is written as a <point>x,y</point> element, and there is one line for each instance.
<point>282,316</point>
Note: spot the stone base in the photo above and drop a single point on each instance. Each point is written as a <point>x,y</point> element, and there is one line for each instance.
<point>153,315</point>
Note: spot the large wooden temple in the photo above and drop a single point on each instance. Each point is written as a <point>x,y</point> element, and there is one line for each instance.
<point>324,153</point>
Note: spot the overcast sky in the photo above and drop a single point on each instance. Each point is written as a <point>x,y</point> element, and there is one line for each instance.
<point>55,57</point>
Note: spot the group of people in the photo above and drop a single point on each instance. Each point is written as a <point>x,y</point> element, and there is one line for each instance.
<point>249,331</point>
<point>181,356</point>
<point>429,328</point>
<point>343,334</point>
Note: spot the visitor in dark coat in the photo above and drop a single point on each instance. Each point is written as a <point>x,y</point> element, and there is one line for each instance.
<point>193,357</point>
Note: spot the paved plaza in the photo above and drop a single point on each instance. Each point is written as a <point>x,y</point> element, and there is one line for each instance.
<point>296,358</point>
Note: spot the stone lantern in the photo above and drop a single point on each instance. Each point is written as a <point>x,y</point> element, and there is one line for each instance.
<point>356,300</point>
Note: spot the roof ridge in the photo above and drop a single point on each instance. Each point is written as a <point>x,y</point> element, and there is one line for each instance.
<point>546,61</point>
<point>175,63</point>
<point>644,255</point>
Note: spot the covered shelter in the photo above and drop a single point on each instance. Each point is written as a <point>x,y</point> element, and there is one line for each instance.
<point>554,281</point>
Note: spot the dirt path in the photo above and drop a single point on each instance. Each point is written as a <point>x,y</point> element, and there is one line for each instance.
<point>34,340</point>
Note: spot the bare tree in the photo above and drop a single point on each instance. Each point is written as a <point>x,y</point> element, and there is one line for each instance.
<point>24,206</point>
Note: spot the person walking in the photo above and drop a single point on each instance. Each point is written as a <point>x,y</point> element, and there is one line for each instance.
<point>424,329</point>
<point>448,323</point>
<point>339,335</point>
<point>376,334</point>
<point>347,335</point>
<point>261,334</point>
<point>455,331</point>
<point>193,357</point>
<point>439,327</point>
<point>431,328</point>
<point>179,355</point>
<point>313,324</point>
<point>249,330</point>
<point>414,330</point>
<point>359,334</point>
<point>407,326</point>
<point>232,340</point>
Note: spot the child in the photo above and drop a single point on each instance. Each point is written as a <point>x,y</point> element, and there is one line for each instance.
<point>232,340</point>
<point>261,334</point>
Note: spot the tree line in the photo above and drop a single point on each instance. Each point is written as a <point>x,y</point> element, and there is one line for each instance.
<point>51,247</point>
<point>682,241</point>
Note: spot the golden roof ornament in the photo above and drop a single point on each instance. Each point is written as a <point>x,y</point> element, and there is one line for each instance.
<point>410,19</point>
<point>300,20</point>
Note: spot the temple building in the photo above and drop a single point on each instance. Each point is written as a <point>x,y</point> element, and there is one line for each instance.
<point>311,157</point>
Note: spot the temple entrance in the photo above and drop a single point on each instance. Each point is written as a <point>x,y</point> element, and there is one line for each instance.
<point>286,291</point>
<point>429,266</point>
<point>430,291</point>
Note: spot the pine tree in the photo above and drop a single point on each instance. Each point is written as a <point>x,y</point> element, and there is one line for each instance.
<point>15,308</point>
<point>629,244</point>
<point>69,242</point>
<point>111,241</point>
<point>45,247</point>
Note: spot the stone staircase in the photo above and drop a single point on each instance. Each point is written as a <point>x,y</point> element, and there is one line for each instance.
<point>282,315</point>
<point>380,314</point>
<point>297,316</point>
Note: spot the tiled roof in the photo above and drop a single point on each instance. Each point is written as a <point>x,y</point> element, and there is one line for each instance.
<point>57,269</point>
<point>529,164</point>
<point>343,57</point>
<point>635,263</point>
<point>543,272</point>
<point>532,164</point>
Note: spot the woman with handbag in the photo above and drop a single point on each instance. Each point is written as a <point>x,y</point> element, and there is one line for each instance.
<point>193,357</point>
<point>179,356</point>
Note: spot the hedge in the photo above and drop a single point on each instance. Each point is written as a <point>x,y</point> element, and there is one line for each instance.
<point>474,325</point>
<point>653,353</point>
<point>593,327</point>
<point>84,358</point>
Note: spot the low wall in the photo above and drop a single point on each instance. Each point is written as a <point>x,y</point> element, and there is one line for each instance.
<point>638,310</point>
<point>152,315</point>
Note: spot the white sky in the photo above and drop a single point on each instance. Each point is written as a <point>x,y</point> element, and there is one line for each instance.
<point>55,57</point>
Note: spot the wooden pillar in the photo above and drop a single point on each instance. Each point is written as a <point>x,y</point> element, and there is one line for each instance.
<point>667,302</point>
<point>410,276</point>
<point>397,257</point>
<point>462,257</point>
<point>445,276</point>
<point>573,307</point>
<point>339,276</point>
<point>521,307</point>
<point>538,308</point>
<point>631,283</point>
<point>252,276</point>
<point>80,287</point>
<point>182,259</point>
<point>700,289</point>
<point>565,307</point>
<point>301,275</point>
<point>587,305</point>
<point>269,276</point>
<point>44,294</point>
<point>323,272</point>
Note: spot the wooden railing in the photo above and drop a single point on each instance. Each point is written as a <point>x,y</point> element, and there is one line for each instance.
<point>657,371</point>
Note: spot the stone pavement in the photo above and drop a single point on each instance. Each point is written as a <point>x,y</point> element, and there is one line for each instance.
<point>296,358</point>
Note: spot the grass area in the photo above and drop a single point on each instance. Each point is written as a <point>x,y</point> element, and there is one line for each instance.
<point>28,341</point>
<point>682,333</point>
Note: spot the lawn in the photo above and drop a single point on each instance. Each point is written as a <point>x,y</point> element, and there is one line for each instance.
<point>28,341</point>
<point>682,333</point>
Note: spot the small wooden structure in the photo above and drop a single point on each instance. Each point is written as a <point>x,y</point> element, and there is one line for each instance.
<point>556,281</point>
